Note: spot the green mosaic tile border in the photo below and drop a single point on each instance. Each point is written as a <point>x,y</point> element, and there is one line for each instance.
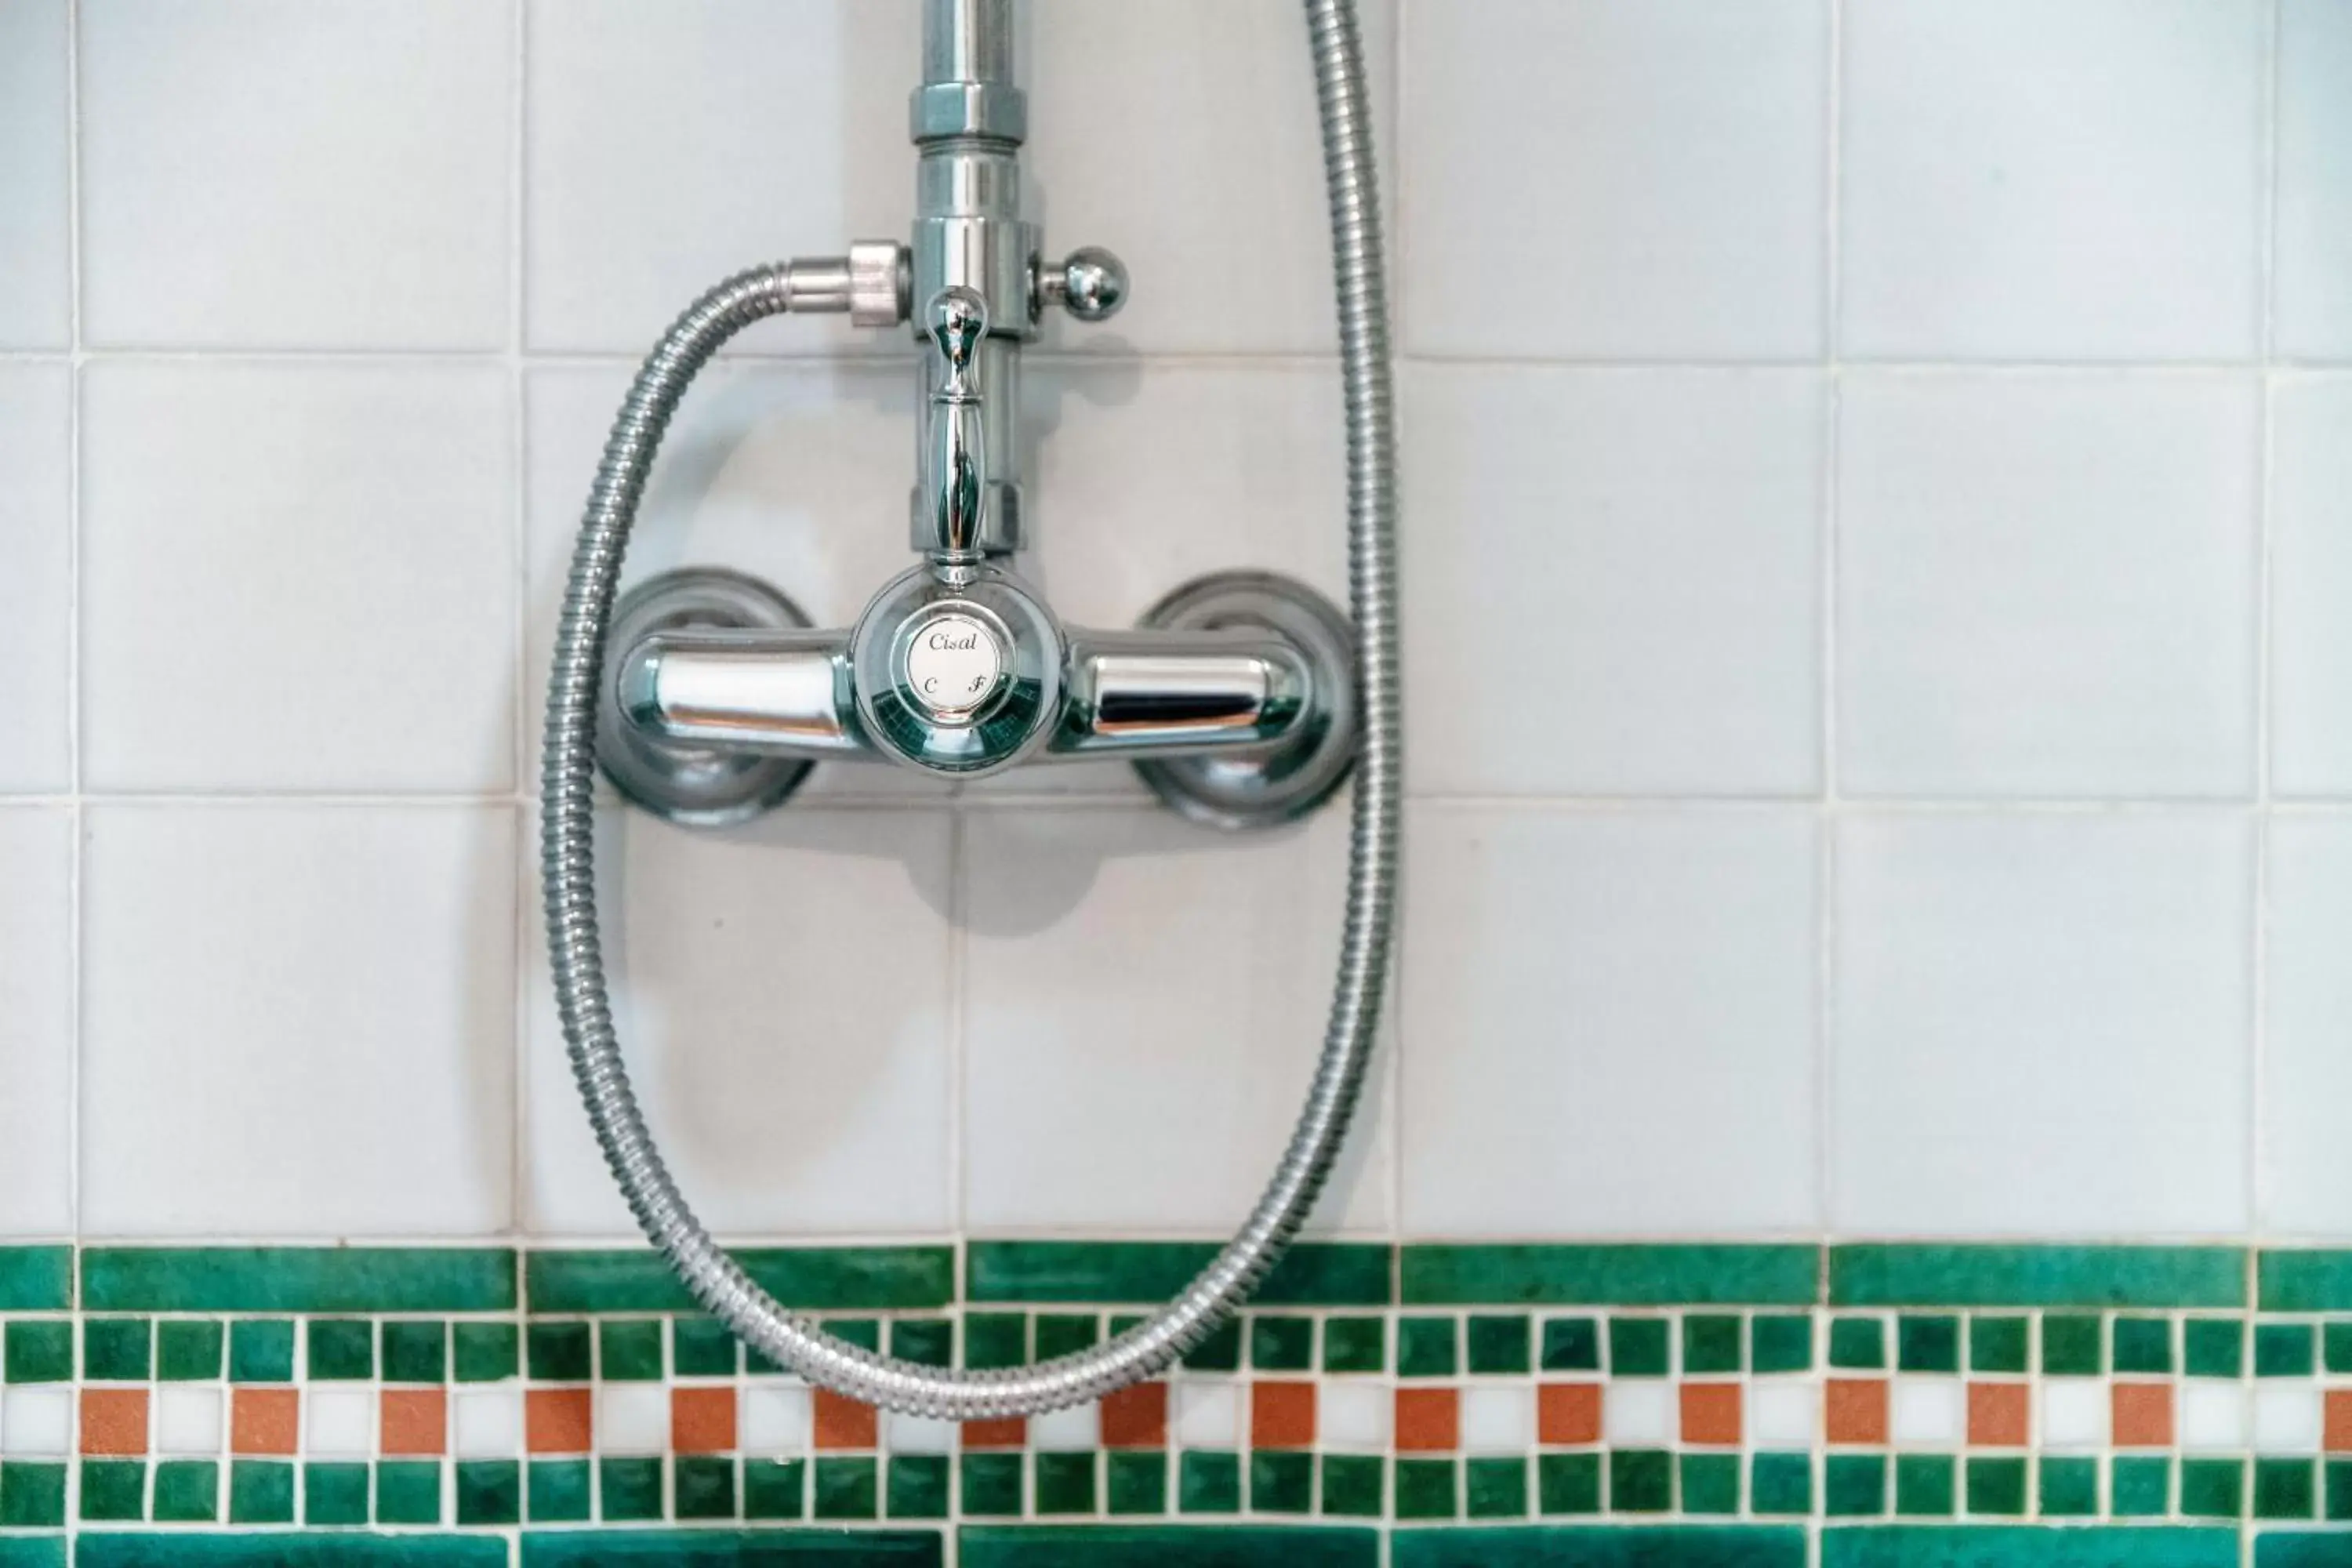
<point>298,1279</point>
<point>1665,1546</point>
<point>1910,1275</point>
<point>1630,1274</point>
<point>2029,1546</point>
<point>731,1548</point>
<point>35,1279</point>
<point>809,1278</point>
<point>1328,1274</point>
<point>1168,1546</point>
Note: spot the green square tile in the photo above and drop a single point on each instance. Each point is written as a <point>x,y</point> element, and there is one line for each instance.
<point>1710,1483</point>
<point>632,1489</point>
<point>335,1494</point>
<point>1494,1488</point>
<point>1424,1489</point>
<point>1781,1341</point>
<point>1999,1343</point>
<point>555,1491</point>
<point>489,1492</point>
<point>2283,1350</point>
<point>927,1341</point>
<point>2070,1345</point>
<point>484,1352</point>
<point>1638,1347</point>
<point>631,1351</point>
<point>1641,1480</point>
<point>704,1486</point>
<point>260,1491</point>
<point>1927,1344</point>
<point>1354,1486</point>
<point>1857,1343</point>
<point>559,1353</point>
<point>2214,1489</point>
<point>845,1489</point>
<point>778,1489</point>
<point>2335,1346</point>
<point>114,1490</point>
<point>1209,1483</point>
<point>1854,1486</point>
<point>995,1340</point>
<point>1570,1344</point>
<point>1282,1344</point>
<point>703,1347</point>
<point>187,1492</point>
<point>2339,1489</point>
<point>992,1484</point>
<point>1066,1483</point>
<point>2143,1344</point>
<point>416,1352</point>
<point>1497,1345</point>
<point>917,1486</point>
<point>1220,1351</point>
<point>341,1350</point>
<point>1279,1483</point>
<point>1062,1333</point>
<point>408,1491</point>
<point>259,1350</point>
<point>188,1350</point>
<point>1781,1484</point>
<point>1355,1344</point>
<point>2070,1487</point>
<point>32,1495</point>
<point>1923,1485</point>
<point>2213,1347</point>
<point>39,1351</point>
<point>1568,1483</point>
<point>1137,1482</point>
<point>1425,1348</point>
<point>1710,1343</point>
<point>2285,1489</point>
<point>118,1350</point>
<point>865,1333</point>
<point>1119,1322</point>
<point>1997,1487</point>
<point>2141,1487</point>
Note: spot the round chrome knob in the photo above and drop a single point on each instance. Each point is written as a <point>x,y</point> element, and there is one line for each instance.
<point>954,663</point>
<point>1090,285</point>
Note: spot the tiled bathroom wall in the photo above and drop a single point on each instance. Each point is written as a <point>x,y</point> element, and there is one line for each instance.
<point>1870,1036</point>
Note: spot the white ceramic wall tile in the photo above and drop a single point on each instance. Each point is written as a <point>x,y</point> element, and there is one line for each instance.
<point>328,990</point>
<point>35,249</point>
<point>297,577</point>
<point>673,142</point>
<point>2306,1071</point>
<point>2041,1025</point>
<point>275,174</point>
<point>796,474</point>
<point>1613,580</point>
<point>2313,309</point>
<point>36,554</point>
<point>1183,135</point>
<point>2046,586</point>
<point>2311,586</point>
<point>1593,179</point>
<point>36,1014</point>
<point>2024,180</point>
<point>781,995</point>
<point>1145,1002</point>
<point>1608,1023</point>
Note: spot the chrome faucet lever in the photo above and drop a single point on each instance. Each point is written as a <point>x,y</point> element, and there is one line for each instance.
<point>953,484</point>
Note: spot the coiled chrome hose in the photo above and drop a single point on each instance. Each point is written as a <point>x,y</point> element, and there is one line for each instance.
<point>568,850</point>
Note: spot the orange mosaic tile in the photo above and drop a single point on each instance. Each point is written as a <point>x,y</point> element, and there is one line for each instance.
<point>113,1420</point>
<point>844,1423</point>
<point>1711,1415</point>
<point>1855,1409</point>
<point>1567,1412</point>
<point>264,1420</point>
<point>1281,1416</point>
<point>2336,1432</point>
<point>2143,1414</point>
<point>1428,1420</point>
<point>1135,1417</point>
<point>415,1421</point>
<point>702,1420</point>
<point>2000,1414</point>
<point>558,1421</point>
<point>1006,1432</point>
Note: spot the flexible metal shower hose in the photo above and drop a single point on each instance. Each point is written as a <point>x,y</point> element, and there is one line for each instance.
<point>567,832</point>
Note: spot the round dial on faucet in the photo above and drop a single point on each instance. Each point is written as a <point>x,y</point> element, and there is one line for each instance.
<point>954,664</point>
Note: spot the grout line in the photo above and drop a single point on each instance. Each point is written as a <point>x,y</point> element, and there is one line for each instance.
<point>75,963</point>
<point>519,581</point>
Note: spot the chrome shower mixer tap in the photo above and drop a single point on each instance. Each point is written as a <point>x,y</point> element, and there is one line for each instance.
<point>1235,699</point>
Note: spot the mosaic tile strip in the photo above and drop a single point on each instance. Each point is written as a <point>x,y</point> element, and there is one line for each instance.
<point>1909,1275</point>
<point>811,1278</point>
<point>1699,1547</point>
<point>298,1279</point>
<point>112,1548</point>
<point>1330,1274</point>
<point>1111,1546</point>
<point>1627,1275</point>
<point>731,1549</point>
<point>2313,1281</point>
<point>2024,1547</point>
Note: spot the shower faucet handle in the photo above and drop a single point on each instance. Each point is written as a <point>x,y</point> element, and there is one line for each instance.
<point>953,486</point>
